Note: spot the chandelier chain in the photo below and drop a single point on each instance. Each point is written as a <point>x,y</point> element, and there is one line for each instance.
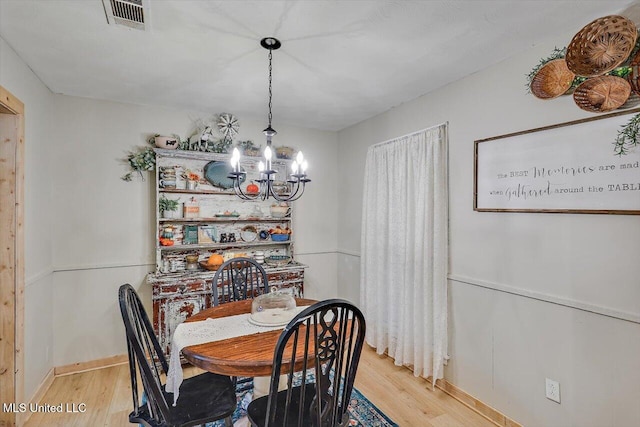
<point>270,91</point>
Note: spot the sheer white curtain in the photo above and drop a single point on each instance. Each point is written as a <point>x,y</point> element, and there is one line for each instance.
<point>404,251</point>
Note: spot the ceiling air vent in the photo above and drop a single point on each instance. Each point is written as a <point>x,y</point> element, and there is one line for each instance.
<point>130,13</point>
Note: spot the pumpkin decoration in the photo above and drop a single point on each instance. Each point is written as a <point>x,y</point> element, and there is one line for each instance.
<point>252,188</point>
<point>215,259</point>
<point>166,241</point>
<point>213,263</point>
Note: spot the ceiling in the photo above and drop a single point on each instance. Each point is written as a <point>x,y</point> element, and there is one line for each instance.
<point>341,61</point>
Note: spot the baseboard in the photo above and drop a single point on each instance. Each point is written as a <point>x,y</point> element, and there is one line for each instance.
<point>40,392</point>
<point>471,402</point>
<point>75,368</point>
<point>477,406</point>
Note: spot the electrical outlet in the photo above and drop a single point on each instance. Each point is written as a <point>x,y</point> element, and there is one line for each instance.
<point>553,390</point>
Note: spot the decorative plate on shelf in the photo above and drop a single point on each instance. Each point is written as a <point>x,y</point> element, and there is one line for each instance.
<point>249,233</point>
<point>217,173</point>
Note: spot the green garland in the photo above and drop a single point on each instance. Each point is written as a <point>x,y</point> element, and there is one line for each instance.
<point>628,137</point>
<point>142,160</point>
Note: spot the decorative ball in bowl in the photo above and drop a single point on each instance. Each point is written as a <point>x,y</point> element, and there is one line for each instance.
<point>279,237</point>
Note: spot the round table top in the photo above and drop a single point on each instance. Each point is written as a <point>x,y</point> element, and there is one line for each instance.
<point>243,356</point>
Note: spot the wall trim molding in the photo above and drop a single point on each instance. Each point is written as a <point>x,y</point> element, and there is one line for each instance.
<point>39,276</point>
<point>475,405</point>
<point>58,269</point>
<point>40,391</point>
<point>553,299</point>
<point>317,253</point>
<point>349,252</point>
<point>540,296</point>
<point>90,365</point>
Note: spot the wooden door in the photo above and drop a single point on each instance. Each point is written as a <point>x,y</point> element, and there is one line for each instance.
<point>11,256</point>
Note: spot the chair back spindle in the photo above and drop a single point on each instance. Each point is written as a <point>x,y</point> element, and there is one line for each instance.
<point>326,339</point>
<point>238,279</point>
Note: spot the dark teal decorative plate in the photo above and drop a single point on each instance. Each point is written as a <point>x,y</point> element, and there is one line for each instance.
<point>217,173</point>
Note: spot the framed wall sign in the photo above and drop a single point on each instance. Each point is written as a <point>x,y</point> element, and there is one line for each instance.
<point>564,168</point>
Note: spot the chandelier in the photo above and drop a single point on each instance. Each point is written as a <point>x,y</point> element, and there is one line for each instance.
<point>298,177</point>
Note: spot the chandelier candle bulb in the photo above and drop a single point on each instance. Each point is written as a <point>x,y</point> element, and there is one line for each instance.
<point>304,166</point>
<point>267,156</point>
<point>235,160</point>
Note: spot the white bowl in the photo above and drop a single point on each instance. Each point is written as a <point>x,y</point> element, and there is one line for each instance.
<point>167,142</point>
<point>280,211</point>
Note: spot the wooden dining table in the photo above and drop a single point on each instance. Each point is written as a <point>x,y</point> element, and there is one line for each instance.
<point>242,356</point>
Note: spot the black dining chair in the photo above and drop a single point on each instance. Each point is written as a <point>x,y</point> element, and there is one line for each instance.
<point>330,334</point>
<point>204,398</point>
<point>238,279</point>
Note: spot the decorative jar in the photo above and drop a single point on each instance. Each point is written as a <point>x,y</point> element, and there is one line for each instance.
<point>274,308</point>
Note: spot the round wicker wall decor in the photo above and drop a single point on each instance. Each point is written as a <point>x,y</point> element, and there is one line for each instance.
<point>601,94</point>
<point>552,80</point>
<point>601,45</point>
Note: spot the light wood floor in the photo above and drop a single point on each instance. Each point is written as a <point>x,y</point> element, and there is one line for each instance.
<point>407,400</point>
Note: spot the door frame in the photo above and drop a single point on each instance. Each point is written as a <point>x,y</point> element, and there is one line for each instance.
<point>12,260</point>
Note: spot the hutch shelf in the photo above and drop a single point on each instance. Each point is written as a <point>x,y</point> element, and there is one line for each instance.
<point>207,219</point>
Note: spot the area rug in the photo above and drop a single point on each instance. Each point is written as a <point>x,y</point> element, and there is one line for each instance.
<point>362,412</point>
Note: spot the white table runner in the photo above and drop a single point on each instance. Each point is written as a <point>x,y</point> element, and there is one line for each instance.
<point>209,330</point>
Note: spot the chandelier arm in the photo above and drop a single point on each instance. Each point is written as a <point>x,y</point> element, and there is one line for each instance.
<point>238,190</point>
<point>239,193</point>
<point>295,193</point>
<point>277,197</point>
<point>295,196</point>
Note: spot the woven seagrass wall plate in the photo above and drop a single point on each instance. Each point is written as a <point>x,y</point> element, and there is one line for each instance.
<point>601,46</point>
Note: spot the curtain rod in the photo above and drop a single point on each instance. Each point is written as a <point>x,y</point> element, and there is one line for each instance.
<point>409,134</point>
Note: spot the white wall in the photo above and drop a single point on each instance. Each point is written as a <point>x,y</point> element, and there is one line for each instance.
<point>503,344</point>
<point>17,78</point>
<point>104,234</point>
